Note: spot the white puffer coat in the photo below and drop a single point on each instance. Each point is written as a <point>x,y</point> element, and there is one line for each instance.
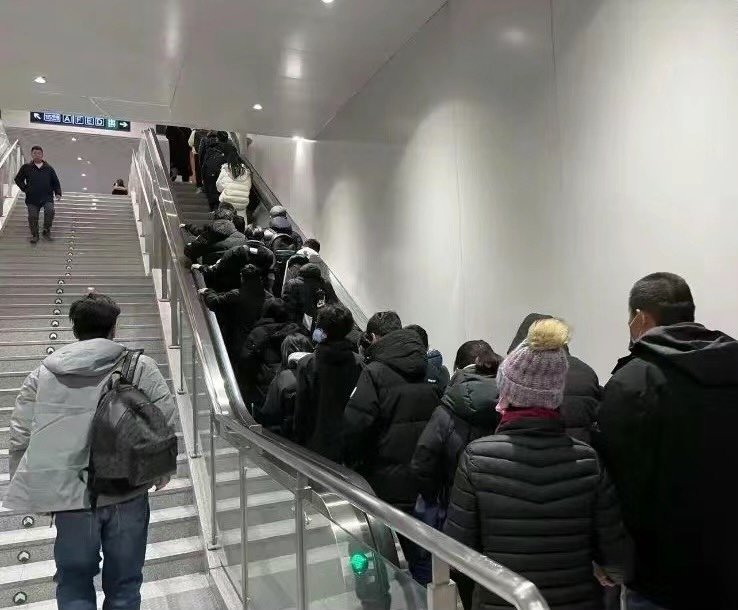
<point>234,191</point>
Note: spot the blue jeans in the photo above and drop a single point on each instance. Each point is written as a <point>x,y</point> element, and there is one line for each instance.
<point>121,531</point>
<point>634,601</point>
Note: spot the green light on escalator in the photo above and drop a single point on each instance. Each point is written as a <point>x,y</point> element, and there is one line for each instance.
<point>359,563</point>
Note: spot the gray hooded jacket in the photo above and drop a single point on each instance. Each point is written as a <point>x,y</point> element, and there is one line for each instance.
<point>49,429</point>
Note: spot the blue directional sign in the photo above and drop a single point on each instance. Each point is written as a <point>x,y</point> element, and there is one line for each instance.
<point>80,120</point>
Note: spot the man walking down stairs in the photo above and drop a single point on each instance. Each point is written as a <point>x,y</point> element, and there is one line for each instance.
<point>96,250</point>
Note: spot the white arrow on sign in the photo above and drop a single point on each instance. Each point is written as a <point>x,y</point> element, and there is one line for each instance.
<point>123,124</point>
<point>36,115</point>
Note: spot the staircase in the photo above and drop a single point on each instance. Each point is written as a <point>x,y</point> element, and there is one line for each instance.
<point>96,247</point>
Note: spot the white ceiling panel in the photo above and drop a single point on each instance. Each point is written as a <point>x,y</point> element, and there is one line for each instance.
<point>201,62</point>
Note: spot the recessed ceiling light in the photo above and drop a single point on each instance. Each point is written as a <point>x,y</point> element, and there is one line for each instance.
<point>258,107</point>
<point>297,138</point>
<point>89,163</point>
<point>84,188</point>
<point>74,139</point>
<point>79,158</point>
<point>327,1</point>
<point>84,175</point>
<point>41,80</point>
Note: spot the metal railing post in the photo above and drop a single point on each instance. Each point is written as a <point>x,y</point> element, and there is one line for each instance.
<point>441,591</point>
<point>195,432</point>
<point>243,473</point>
<point>301,491</point>
<point>175,311</point>
<point>213,488</point>
<point>164,259</point>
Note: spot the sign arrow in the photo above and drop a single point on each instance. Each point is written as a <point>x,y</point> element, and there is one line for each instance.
<point>123,124</point>
<point>36,115</point>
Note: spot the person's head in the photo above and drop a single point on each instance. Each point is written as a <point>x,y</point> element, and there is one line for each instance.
<point>382,324</point>
<point>227,206</point>
<point>222,136</point>
<point>336,321</point>
<point>421,332</point>
<point>276,309</point>
<point>313,244</point>
<point>480,354</point>
<point>659,299</point>
<point>94,317</point>
<point>119,182</point>
<point>235,164</point>
<point>293,344</point>
<point>280,224</point>
<point>251,276</point>
<point>534,374</point>
<point>278,210</point>
<point>37,154</point>
<point>223,214</point>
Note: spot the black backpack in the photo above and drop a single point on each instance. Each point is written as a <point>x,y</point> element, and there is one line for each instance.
<point>132,444</point>
<point>284,248</point>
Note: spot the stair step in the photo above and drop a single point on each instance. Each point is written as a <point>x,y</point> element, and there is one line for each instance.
<point>37,349</point>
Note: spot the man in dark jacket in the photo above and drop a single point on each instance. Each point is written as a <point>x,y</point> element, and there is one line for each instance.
<point>306,293</point>
<point>582,393</point>
<point>238,221</point>
<point>217,238</point>
<point>668,422</point>
<point>388,410</point>
<point>261,355</point>
<point>225,273</point>
<point>325,381</point>
<point>530,496</point>
<point>38,180</point>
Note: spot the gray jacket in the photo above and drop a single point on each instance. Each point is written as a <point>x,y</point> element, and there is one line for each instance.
<point>49,430</point>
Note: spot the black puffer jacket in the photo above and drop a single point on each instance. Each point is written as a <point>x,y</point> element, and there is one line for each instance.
<point>538,502</point>
<point>325,381</point>
<point>225,274</point>
<point>278,413</point>
<point>582,392</point>
<point>467,412</point>
<point>217,238</point>
<point>437,372</point>
<point>261,356</point>
<point>386,415</point>
<point>668,424</point>
<point>301,294</point>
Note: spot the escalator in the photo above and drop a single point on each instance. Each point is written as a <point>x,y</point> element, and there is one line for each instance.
<point>285,527</point>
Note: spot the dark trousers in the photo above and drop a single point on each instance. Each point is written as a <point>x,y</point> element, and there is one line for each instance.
<point>120,531</point>
<point>211,191</point>
<point>33,212</point>
<point>198,169</point>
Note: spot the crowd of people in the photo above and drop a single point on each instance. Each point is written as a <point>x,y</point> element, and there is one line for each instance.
<point>525,458</point>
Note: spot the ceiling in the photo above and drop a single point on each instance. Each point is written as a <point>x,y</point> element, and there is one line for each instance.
<point>201,62</point>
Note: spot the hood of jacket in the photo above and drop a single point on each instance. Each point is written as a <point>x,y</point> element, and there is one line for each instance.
<point>708,356</point>
<point>310,271</point>
<point>403,352</point>
<point>435,358</point>
<point>335,352</point>
<point>294,344</point>
<point>472,397</point>
<point>89,358</point>
<point>280,224</point>
<point>222,228</point>
<point>525,327</point>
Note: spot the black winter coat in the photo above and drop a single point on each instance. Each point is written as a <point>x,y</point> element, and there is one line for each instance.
<point>467,412</point>
<point>538,502</point>
<point>38,184</point>
<point>437,372</point>
<point>217,238</point>
<point>261,356</point>
<point>301,294</point>
<point>386,415</point>
<point>225,274</point>
<point>668,424</point>
<point>582,392</point>
<point>325,381</point>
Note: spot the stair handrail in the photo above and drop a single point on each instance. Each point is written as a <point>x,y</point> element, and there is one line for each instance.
<point>10,162</point>
<point>446,552</point>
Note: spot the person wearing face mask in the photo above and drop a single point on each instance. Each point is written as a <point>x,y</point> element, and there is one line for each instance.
<point>667,436</point>
<point>325,381</point>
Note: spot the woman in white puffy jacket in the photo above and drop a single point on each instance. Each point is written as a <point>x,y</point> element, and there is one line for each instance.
<point>234,183</point>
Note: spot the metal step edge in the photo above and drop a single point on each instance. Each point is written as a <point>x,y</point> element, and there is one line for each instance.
<point>118,340</point>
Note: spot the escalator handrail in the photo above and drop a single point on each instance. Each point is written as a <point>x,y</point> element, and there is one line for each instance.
<point>515,589</point>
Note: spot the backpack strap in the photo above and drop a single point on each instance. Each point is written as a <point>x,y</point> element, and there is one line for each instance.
<point>130,362</point>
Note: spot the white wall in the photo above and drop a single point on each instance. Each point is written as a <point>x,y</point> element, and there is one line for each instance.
<point>512,159</point>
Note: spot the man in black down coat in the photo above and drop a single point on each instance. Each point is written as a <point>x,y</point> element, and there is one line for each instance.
<point>217,238</point>
<point>304,294</point>
<point>325,381</point>
<point>533,498</point>
<point>668,426</point>
<point>582,393</point>
<point>225,273</point>
<point>388,411</point>
<point>261,355</point>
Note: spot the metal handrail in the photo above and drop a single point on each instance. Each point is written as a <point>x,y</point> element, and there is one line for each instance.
<point>446,551</point>
<point>8,152</point>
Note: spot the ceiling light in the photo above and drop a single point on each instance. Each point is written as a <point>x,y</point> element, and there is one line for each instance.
<point>89,163</point>
<point>41,80</point>
<point>84,188</point>
<point>297,138</point>
<point>74,139</point>
<point>327,1</point>
<point>258,107</point>
<point>84,175</point>
<point>79,158</point>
